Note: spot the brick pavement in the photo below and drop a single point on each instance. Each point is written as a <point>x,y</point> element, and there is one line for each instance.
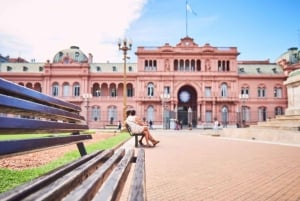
<point>188,165</point>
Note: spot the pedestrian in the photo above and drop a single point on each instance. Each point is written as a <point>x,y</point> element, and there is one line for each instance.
<point>216,125</point>
<point>119,125</point>
<point>150,124</point>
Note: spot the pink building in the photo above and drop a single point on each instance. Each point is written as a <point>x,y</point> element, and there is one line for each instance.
<point>186,82</point>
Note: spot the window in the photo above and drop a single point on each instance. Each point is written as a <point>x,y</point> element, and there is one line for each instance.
<point>66,89</point>
<point>150,114</point>
<point>150,90</point>
<point>207,91</point>
<point>76,90</point>
<point>224,115</point>
<point>130,68</point>
<point>113,92</point>
<point>55,90</point>
<point>97,92</point>
<point>245,91</point>
<point>224,90</point>
<point>261,92</point>
<point>112,114</point>
<point>96,113</point>
<point>258,70</point>
<point>129,91</point>
<point>114,68</point>
<point>98,69</point>
<point>167,90</point>
<point>262,114</point>
<point>77,56</point>
<point>279,111</point>
<point>25,68</point>
<point>277,92</point>
<point>41,68</point>
<point>208,116</point>
<point>8,68</point>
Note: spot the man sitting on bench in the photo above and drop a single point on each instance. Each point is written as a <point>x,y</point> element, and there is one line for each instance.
<point>137,126</point>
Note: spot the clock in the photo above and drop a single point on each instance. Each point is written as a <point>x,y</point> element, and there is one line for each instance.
<point>185,96</point>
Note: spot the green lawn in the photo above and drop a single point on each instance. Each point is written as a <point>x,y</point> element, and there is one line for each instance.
<point>13,178</point>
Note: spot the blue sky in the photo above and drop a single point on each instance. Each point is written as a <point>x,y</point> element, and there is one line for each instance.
<point>260,29</point>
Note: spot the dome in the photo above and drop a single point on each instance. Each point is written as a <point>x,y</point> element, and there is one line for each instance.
<point>294,73</point>
<point>71,55</point>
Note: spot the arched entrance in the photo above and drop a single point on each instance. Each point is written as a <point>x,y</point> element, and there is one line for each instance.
<point>187,105</point>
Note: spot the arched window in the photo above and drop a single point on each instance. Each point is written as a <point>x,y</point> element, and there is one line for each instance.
<point>261,92</point>
<point>96,90</point>
<point>38,87</point>
<point>66,89</point>
<point>224,92</point>
<point>96,113</point>
<point>224,112</point>
<point>113,92</point>
<point>55,89</point>
<point>277,92</point>
<point>150,114</point>
<point>129,90</point>
<point>245,90</point>
<point>112,114</point>
<point>181,65</point>
<point>150,90</point>
<point>187,65</point>
<point>279,111</point>
<point>76,89</point>
<point>262,114</point>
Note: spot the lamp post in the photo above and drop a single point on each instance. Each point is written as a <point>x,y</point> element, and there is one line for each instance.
<point>124,46</point>
<point>243,98</point>
<point>164,99</point>
<point>86,98</point>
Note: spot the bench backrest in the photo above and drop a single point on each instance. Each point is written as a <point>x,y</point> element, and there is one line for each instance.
<point>23,110</point>
<point>129,129</point>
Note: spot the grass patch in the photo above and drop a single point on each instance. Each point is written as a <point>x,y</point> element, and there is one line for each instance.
<point>13,178</point>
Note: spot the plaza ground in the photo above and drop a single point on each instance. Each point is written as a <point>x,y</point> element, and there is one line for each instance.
<point>194,165</point>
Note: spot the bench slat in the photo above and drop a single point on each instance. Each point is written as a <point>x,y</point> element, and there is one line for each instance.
<point>17,147</point>
<point>113,186</point>
<point>30,108</point>
<point>26,189</point>
<point>89,187</point>
<point>59,188</point>
<point>21,125</point>
<point>138,185</point>
<point>8,87</point>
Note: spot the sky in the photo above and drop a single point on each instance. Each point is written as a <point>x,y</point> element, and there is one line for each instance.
<point>38,29</point>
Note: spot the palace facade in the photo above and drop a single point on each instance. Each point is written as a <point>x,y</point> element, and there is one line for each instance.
<point>186,82</point>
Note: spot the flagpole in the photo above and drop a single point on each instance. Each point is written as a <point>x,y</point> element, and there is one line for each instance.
<point>186,18</point>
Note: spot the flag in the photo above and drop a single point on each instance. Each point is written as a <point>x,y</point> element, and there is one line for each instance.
<point>188,8</point>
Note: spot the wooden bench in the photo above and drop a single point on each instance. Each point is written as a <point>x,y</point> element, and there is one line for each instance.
<point>26,111</point>
<point>100,176</point>
<point>136,140</point>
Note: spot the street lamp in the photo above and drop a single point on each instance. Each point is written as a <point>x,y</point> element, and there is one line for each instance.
<point>164,99</point>
<point>243,97</point>
<point>124,46</point>
<point>86,98</point>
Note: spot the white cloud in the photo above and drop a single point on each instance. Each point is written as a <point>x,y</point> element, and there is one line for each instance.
<point>38,29</point>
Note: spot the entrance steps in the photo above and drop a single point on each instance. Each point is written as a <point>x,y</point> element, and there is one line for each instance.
<point>264,134</point>
<point>282,122</point>
<point>282,129</point>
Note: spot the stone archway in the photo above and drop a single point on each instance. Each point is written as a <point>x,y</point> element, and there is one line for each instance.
<point>187,105</point>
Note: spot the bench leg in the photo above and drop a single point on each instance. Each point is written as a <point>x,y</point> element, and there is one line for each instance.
<point>81,149</point>
<point>136,141</point>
